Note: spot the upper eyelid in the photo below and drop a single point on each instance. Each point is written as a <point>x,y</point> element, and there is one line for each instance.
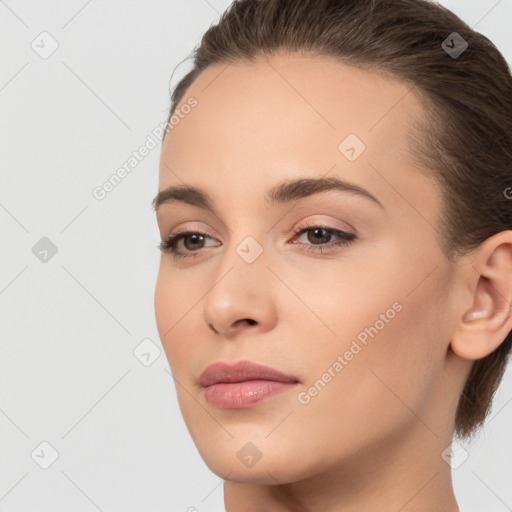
<point>313,221</point>
<point>301,228</point>
<point>301,225</point>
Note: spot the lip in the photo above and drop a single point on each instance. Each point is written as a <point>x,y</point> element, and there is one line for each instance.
<point>243,384</point>
<point>240,372</point>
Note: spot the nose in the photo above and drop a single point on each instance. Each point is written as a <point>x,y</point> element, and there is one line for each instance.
<point>250,321</point>
<point>241,296</point>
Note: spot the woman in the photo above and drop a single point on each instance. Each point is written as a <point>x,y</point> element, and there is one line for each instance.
<point>335,288</point>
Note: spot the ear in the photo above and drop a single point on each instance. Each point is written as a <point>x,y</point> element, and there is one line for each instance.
<point>482,327</point>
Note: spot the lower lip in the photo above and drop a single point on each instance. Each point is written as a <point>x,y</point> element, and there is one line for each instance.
<point>242,395</point>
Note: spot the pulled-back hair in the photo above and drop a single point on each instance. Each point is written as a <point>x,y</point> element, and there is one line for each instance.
<point>465,141</point>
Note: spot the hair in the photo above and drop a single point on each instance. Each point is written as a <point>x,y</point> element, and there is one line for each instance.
<point>464,140</point>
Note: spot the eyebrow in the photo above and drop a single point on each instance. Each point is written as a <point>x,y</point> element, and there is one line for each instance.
<point>281,193</point>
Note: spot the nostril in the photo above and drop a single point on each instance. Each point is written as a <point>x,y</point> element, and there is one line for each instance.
<point>250,321</point>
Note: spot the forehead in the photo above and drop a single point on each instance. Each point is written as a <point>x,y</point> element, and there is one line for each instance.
<point>273,118</point>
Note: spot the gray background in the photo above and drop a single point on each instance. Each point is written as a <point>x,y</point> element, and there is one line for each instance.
<point>69,325</point>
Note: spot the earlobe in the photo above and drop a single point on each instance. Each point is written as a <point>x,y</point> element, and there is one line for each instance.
<point>484,326</point>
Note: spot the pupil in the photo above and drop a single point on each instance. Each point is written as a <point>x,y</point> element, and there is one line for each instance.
<point>195,239</point>
<point>318,234</point>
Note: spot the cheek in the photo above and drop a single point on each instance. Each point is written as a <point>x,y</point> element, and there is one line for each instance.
<point>173,301</point>
<point>375,386</point>
<point>390,331</point>
<point>165,302</point>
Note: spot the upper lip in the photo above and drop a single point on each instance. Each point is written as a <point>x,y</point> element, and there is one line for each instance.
<point>239,372</point>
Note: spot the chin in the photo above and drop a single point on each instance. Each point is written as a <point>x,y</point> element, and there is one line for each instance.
<point>243,461</point>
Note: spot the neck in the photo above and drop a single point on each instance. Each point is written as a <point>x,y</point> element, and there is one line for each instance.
<point>407,475</point>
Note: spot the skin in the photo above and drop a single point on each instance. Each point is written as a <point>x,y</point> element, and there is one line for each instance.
<point>372,438</point>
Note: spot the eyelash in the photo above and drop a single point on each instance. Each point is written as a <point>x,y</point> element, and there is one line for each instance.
<point>169,245</point>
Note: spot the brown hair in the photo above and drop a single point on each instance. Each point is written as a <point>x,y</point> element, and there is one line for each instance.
<point>466,140</point>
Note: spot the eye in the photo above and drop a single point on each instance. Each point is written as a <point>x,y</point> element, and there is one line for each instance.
<point>320,234</point>
<point>194,240</point>
<point>191,239</point>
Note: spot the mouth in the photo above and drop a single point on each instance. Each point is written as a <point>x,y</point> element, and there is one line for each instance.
<point>243,384</point>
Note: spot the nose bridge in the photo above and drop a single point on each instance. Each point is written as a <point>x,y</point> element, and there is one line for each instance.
<point>240,288</point>
<point>244,248</point>
<point>242,264</point>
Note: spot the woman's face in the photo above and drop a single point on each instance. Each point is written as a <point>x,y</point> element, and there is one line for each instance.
<point>364,327</point>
